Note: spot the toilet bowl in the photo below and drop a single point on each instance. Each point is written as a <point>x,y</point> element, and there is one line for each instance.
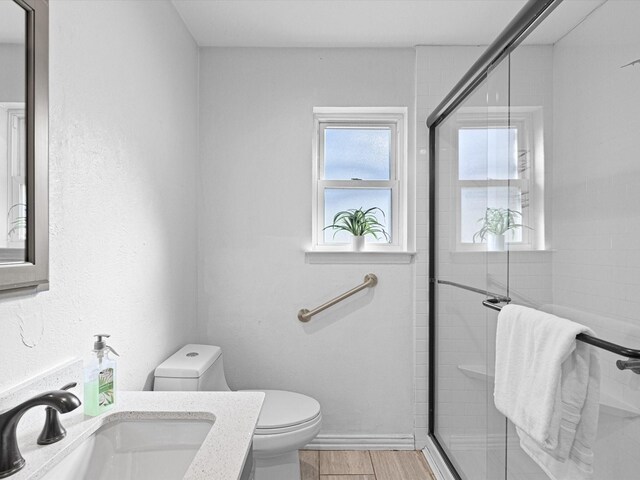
<point>288,420</point>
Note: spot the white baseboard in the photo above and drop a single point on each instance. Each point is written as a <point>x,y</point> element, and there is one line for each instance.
<point>362,442</point>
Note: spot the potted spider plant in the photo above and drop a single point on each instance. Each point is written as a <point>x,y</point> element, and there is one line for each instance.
<point>359,223</point>
<point>495,224</point>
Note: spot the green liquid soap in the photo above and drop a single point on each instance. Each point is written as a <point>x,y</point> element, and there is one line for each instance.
<point>100,379</point>
<point>91,398</point>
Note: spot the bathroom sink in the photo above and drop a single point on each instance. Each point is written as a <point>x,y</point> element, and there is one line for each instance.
<point>134,449</point>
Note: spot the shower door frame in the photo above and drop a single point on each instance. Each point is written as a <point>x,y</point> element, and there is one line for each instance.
<point>527,19</point>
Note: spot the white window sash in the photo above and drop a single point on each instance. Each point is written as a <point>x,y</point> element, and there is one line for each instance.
<point>393,126</point>
<point>523,120</point>
<point>526,241</point>
<point>363,184</point>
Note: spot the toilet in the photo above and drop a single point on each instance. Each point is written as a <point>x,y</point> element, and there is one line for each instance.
<point>288,421</point>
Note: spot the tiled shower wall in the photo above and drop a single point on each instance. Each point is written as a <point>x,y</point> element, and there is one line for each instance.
<point>596,207</point>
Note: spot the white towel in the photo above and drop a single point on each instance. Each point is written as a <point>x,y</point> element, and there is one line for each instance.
<point>547,384</point>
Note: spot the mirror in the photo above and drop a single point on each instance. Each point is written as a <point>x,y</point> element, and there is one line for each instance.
<point>23,144</point>
<point>13,133</point>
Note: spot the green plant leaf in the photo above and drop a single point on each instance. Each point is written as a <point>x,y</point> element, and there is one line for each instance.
<point>498,221</point>
<point>359,222</point>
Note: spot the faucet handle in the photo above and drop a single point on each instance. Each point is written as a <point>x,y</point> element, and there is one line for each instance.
<point>53,431</point>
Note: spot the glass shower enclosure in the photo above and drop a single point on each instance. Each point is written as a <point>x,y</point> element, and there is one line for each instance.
<point>535,200</point>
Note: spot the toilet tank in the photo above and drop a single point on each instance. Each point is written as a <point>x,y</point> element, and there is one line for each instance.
<point>192,368</point>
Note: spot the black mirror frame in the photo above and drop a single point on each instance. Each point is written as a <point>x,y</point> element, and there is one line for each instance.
<point>34,273</point>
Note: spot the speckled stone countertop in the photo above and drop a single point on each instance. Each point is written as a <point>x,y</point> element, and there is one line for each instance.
<point>221,456</point>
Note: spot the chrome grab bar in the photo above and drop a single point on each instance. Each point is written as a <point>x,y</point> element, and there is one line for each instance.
<point>370,280</point>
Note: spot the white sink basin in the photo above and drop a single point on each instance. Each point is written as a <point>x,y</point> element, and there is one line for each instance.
<point>134,449</point>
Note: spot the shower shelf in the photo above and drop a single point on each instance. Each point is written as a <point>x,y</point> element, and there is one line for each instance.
<point>608,404</point>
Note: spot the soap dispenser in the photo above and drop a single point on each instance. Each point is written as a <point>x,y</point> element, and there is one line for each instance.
<point>100,378</point>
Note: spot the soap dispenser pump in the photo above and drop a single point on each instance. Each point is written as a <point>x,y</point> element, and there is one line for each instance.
<point>100,378</point>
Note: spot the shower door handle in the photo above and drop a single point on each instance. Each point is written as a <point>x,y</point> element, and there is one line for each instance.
<point>493,304</point>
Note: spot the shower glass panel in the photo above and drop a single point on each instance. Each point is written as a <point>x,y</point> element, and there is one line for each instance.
<point>549,138</point>
<point>461,397</point>
<point>594,210</point>
<point>530,282</point>
<point>501,173</point>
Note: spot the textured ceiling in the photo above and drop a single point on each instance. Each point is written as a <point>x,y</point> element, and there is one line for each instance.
<point>364,23</point>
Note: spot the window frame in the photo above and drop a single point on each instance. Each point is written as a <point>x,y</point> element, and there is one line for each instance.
<point>528,121</point>
<point>364,117</point>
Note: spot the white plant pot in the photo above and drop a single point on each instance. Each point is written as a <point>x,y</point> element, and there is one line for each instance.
<point>357,243</point>
<point>495,243</point>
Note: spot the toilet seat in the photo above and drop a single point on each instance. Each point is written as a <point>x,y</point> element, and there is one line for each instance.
<point>267,445</point>
<point>288,421</point>
<point>284,411</point>
<point>290,428</point>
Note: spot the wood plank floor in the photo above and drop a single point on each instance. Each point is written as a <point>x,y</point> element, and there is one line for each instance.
<point>363,465</point>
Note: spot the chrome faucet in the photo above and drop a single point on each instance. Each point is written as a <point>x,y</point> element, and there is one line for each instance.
<point>10,458</point>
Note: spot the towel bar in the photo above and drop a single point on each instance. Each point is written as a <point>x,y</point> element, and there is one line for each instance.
<point>633,362</point>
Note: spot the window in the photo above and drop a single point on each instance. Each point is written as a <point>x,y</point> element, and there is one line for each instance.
<point>359,161</point>
<point>499,165</point>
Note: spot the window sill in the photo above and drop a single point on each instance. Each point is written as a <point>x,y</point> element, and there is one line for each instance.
<point>512,250</point>
<point>347,257</point>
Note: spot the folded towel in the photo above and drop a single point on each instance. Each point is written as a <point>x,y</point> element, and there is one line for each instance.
<point>547,384</point>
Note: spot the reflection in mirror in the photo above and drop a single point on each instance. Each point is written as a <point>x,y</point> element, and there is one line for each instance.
<point>13,133</point>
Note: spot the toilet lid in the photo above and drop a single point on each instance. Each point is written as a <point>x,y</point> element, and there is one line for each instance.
<point>284,409</point>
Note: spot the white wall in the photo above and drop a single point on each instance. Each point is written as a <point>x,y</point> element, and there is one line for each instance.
<point>255,214</point>
<point>12,76</point>
<point>123,148</point>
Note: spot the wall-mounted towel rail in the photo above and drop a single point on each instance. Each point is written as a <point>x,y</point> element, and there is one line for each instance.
<point>494,304</point>
<point>633,355</point>
<point>370,280</point>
